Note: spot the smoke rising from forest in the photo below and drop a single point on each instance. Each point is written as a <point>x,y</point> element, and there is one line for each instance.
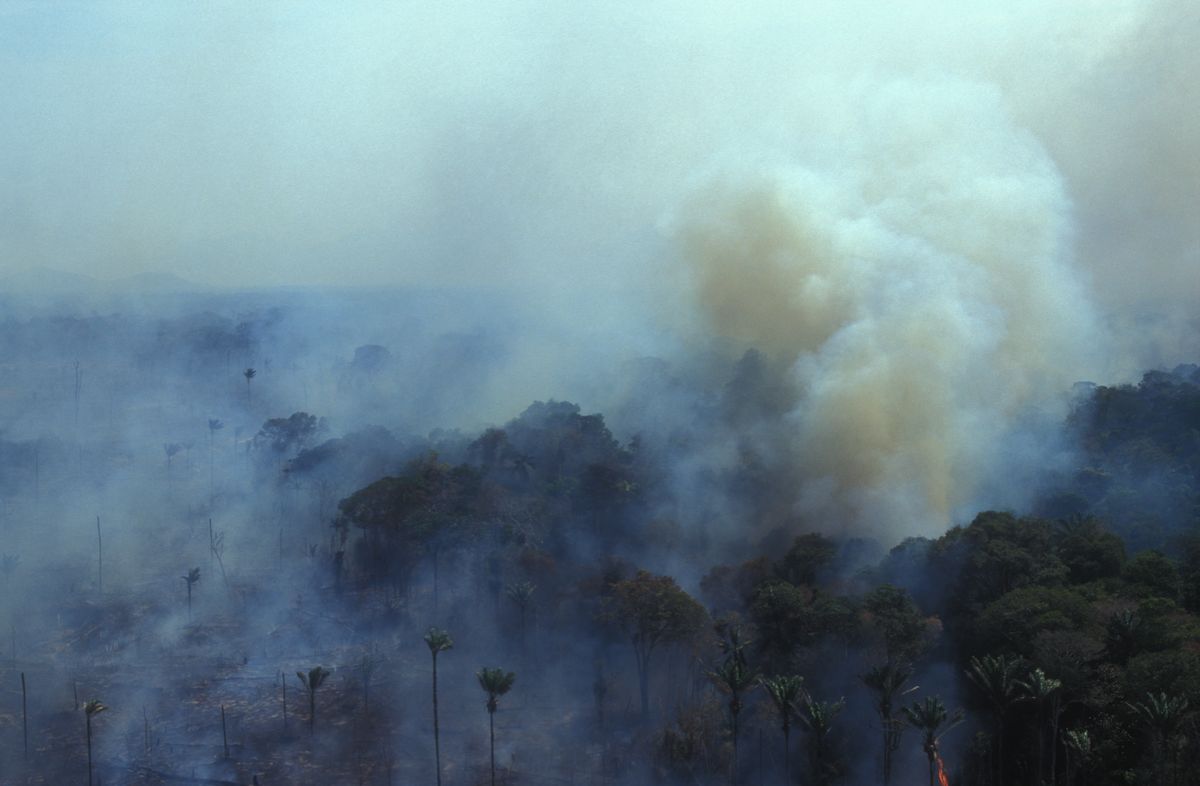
<point>619,286</point>
<point>919,281</point>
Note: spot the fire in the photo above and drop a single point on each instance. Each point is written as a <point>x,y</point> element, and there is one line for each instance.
<point>942,779</point>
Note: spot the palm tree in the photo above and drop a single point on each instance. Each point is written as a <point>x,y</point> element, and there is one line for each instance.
<point>1162,715</point>
<point>191,578</point>
<point>521,594</point>
<point>311,682</point>
<point>249,375</point>
<point>996,678</point>
<point>733,677</point>
<point>1078,744</point>
<point>496,683</point>
<point>931,719</point>
<point>886,682</point>
<point>1044,690</point>
<point>817,717</point>
<point>90,708</point>
<point>786,693</point>
<point>437,641</point>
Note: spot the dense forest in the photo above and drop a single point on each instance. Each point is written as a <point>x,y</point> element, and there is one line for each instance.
<point>291,602</point>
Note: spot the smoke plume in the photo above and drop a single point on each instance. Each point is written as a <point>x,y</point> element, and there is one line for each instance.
<point>917,276</point>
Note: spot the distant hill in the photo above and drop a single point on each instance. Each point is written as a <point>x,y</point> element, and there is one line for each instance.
<point>49,281</point>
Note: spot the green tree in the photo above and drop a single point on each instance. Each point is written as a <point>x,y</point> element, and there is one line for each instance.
<point>90,708</point>
<point>931,719</point>
<point>652,611</point>
<point>786,692</point>
<point>808,556</point>
<point>886,682</point>
<point>734,677</point>
<point>311,682</point>
<point>1153,575</point>
<point>1089,551</point>
<point>1162,716</point>
<point>1078,745</point>
<point>495,683</point>
<point>1046,692</point>
<point>996,677</point>
<point>437,641</point>
<point>1004,553</point>
<point>818,717</point>
<point>406,517</point>
<point>894,619</point>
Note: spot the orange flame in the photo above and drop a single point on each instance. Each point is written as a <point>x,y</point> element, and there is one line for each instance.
<point>942,779</point>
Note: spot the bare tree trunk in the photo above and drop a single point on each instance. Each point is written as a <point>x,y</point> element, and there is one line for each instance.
<point>437,744</point>
<point>787,758</point>
<point>24,717</point>
<point>492,735</point>
<point>89,747</point>
<point>100,556</point>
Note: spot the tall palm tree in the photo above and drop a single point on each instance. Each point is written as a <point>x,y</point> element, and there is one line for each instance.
<point>437,641</point>
<point>495,683</point>
<point>931,719</point>
<point>817,717</point>
<point>1162,715</point>
<point>996,677</point>
<point>786,693</point>
<point>191,578</point>
<point>1045,691</point>
<point>90,708</point>
<point>887,682</point>
<point>734,677</point>
<point>311,682</point>
<point>1078,745</point>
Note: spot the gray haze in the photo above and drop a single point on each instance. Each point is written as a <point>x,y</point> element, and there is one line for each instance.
<point>936,219</point>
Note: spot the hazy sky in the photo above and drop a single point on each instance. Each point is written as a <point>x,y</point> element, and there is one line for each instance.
<point>536,143</point>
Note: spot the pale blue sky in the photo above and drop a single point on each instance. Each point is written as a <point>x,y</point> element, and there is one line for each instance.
<point>513,142</point>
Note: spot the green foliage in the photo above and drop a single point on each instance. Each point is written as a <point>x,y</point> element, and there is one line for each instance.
<point>892,618</point>
<point>807,557</point>
<point>1151,574</point>
<point>289,435</point>
<point>788,617</point>
<point>997,678</point>
<point>430,504</point>
<point>1005,553</point>
<point>438,641</point>
<point>786,693</point>
<point>653,609</point>
<point>495,682</point>
<point>1175,671</point>
<point>93,707</point>
<point>931,718</point>
<point>1014,621</point>
<point>1088,550</point>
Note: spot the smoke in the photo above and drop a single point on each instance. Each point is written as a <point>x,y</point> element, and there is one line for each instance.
<point>918,279</point>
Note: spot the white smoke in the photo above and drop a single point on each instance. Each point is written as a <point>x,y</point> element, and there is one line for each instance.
<point>918,278</point>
